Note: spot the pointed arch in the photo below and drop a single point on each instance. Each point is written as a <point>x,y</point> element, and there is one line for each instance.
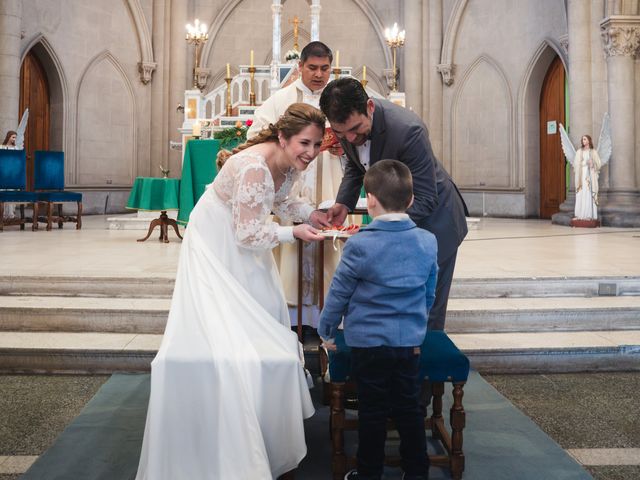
<point>58,91</point>
<point>482,151</point>
<point>449,41</point>
<point>147,64</point>
<point>120,118</point>
<point>528,105</point>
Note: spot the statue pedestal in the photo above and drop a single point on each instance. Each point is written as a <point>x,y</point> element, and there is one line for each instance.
<point>582,223</point>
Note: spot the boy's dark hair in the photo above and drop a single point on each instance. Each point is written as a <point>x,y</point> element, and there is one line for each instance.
<point>342,97</point>
<point>391,183</point>
<point>315,49</point>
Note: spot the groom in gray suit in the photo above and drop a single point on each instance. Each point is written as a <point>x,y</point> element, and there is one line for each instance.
<point>370,130</point>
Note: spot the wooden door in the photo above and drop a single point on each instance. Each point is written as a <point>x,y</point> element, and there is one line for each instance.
<point>34,95</point>
<point>552,163</point>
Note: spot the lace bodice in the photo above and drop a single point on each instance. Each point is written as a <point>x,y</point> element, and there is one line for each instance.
<point>246,186</point>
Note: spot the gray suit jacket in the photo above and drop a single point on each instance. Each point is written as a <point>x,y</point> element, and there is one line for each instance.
<point>398,134</point>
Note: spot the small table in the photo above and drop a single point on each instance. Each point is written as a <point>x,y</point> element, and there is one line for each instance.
<point>156,194</point>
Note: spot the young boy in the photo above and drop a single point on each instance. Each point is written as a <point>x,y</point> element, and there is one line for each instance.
<point>384,287</point>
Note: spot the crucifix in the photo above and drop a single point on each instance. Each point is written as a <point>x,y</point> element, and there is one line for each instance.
<point>296,23</point>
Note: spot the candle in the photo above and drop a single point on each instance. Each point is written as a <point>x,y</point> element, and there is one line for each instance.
<point>337,58</point>
<point>252,58</point>
<point>197,129</point>
<point>364,72</point>
<point>228,71</point>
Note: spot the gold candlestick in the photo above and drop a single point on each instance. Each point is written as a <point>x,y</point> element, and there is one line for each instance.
<point>252,93</point>
<point>229,111</point>
<point>364,82</point>
<point>395,39</point>
<point>336,72</point>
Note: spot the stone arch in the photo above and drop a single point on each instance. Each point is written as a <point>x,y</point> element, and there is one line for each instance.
<point>529,118</point>
<point>482,153</point>
<point>219,20</point>
<point>58,92</point>
<point>147,64</point>
<point>446,66</point>
<point>106,135</point>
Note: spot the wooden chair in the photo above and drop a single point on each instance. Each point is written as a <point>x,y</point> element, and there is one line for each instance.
<point>13,182</point>
<point>49,184</point>
<point>441,362</point>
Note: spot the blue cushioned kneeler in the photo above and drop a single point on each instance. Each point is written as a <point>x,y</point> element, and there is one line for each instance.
<point>440,361</point>
<point>57,197</point>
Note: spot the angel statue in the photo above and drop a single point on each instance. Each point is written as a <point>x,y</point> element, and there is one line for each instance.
<point>587,162</point>
<point>21,129</point>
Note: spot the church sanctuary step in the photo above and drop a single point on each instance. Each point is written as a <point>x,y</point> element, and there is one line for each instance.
<point>87,286</point>
<point>59,352</point>
<point>491,315</point>
<point>544,287</point>
<point>83,314</point>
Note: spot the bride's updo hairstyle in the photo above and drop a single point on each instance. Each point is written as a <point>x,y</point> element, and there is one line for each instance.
<point>295,119</point>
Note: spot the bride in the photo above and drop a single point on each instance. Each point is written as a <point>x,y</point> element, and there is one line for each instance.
<point>228,390</point>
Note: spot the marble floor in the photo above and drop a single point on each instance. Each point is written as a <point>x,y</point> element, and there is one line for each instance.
<point>496,248</point>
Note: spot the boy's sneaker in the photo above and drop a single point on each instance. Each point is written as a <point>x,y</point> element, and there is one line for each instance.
<point>354,475</point>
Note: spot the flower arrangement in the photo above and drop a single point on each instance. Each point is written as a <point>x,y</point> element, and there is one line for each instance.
<point>291,55</point>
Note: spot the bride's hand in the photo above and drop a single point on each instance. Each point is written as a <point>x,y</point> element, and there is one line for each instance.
<point>307,233</point>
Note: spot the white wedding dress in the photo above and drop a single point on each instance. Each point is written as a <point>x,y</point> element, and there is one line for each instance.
<point>228,390</point>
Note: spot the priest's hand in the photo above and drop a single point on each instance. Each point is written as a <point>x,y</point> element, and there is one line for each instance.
<point>337,214</point>
<point>319,219</point>
<point>307,233</point>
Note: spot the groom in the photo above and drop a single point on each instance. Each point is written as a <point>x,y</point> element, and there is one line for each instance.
<point>370,130</point>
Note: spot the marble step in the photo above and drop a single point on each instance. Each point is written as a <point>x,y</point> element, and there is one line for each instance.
<point>57,352</point>
<point>149,315</point>
<point>152,287</point>
<point>84,314</point>
<point>83,286</point>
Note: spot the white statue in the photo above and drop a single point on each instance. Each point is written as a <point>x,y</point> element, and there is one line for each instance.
<point>587,162</point>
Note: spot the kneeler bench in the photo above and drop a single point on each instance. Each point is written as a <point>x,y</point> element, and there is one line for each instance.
<point>440,362</point>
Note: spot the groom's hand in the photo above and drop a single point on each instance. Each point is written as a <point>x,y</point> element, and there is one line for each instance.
<point>319,219</point>
<point>337,214</point>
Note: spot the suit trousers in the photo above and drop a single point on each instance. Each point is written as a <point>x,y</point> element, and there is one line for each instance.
<point>388,385</point>
<point>438,312</point>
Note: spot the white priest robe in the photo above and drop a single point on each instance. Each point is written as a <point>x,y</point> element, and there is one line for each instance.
<point>319,182</point>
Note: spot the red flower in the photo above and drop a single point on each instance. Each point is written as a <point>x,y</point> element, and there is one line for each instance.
<point>248,123</point>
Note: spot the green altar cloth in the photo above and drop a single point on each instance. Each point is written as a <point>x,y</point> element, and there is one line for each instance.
<point>198,171</point>
<point>154,194</point>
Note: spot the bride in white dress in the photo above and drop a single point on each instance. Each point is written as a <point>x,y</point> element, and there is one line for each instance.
<point>228,390</point>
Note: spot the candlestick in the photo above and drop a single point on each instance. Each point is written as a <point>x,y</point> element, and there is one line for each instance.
<point>252,93</point>
<point>364,73</point>
<point>336,73</point>
<point>251,62</point>
<point>228,71</point>
<point>337,58</point>
<point>229,109</point>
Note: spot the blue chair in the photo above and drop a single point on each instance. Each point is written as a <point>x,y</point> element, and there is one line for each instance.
<point>13,182</point>
<point>48,182</point>
<point>440,362</point>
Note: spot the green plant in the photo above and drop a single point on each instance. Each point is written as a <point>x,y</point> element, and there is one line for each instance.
<point>232,136</point>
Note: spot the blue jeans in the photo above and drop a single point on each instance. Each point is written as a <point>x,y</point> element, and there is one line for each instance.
<point>389,387</point>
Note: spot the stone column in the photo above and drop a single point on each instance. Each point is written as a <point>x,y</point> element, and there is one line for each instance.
<point>161,109</point>
<point>276,10</point>
<point>412,71</point>
<point>433,108</point>
<point>10,24</point>
<point>179,76</point>
<point>580,95</point>
<point>315,20</point>
<point>621,36</point>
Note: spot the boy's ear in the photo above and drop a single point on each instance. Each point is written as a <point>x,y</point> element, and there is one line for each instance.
<point>372,201</point>
<point>410,202</point>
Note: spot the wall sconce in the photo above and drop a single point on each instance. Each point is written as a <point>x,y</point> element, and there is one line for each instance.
<point>197,35</point>
<point>180,108</point>
<point>395,40</point>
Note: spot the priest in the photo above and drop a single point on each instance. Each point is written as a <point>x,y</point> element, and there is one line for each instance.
<point>320,181</point>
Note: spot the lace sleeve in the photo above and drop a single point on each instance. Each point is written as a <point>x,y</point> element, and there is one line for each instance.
<point>251,203</point>
<point>293,207</point>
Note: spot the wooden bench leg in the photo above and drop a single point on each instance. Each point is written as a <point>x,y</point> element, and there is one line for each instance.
<point>437,391</point>
<point>34,223</point>
<point>457,418</point>
<point>338,457</point>
<point>49,216</point>
<point>79,217</point>
<point>60,217</point>
<point>22,220</point>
